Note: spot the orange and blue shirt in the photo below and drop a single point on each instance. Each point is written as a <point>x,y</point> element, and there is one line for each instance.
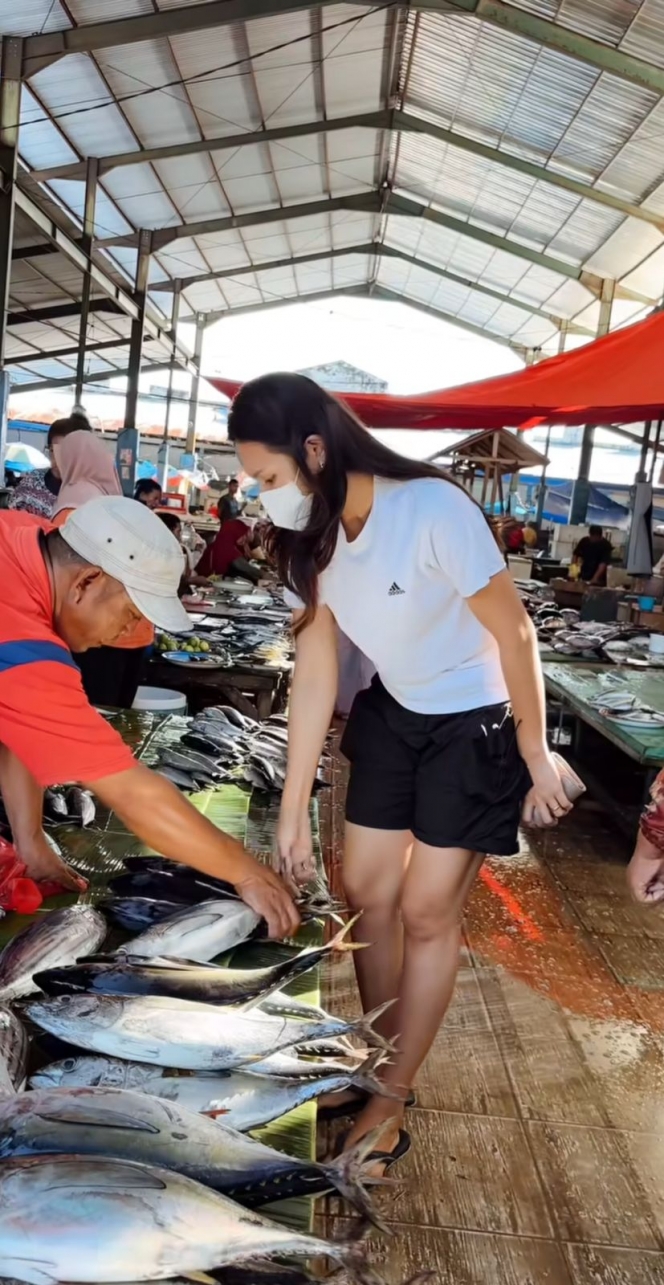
<point>46,719</point>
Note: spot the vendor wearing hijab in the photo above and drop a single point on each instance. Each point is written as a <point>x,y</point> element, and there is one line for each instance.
<point>111,675</point>
<point>38,491</point>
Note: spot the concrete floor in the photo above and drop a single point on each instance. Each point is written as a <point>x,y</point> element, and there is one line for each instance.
<point>538,1138</point>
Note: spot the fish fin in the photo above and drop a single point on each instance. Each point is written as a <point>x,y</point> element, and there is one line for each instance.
<point>346,1175</point>
<point>339,942</point>
<point>364,1077</point>
<point>215,1112</point>
<point>200,1277</point>
<point>364,1027</point>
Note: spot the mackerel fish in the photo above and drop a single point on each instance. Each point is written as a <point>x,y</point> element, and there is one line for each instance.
<point>177,1033</point>
<point>14,1045</point>
<point>55,938</point>
<point>101,1220</point>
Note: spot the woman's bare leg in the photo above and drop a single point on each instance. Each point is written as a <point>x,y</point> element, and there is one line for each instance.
<point>435,892</point>
<point>374,873</point>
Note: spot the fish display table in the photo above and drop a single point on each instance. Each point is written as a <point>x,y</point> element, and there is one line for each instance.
<point>260,690</point>
<point>98,854</point>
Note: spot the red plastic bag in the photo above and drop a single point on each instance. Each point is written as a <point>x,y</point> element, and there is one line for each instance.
<point>17,891</point>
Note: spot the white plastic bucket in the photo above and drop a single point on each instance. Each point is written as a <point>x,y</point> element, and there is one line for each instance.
<point>160,700</point>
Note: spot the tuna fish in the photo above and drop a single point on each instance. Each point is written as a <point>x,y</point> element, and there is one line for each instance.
<point>13,1051</point>
<point>89,1071</point>
<point>136,914</point>
<point>177,1033</point>
<point>55,938</point>
<point>199,932</point>
<point>205,984</point>
<point>146,1129</point>
<point>171,885</point>
<point>70,1218</point>
<point>245,1102</point>
<point>81,806</point>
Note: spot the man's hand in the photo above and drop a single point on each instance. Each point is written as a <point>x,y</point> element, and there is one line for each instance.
<point>42,863</point>
<point>264,891</point>
<point>645,873</point>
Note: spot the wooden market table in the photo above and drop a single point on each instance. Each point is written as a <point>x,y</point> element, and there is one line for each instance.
<point>259,690</point>
<point>621,786</point>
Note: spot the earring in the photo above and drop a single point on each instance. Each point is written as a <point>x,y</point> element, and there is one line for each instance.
<point>321,464</point>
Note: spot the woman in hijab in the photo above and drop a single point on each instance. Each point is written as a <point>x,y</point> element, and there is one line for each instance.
<point>111,675</point>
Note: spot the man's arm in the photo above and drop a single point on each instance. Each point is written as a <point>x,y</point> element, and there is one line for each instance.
<point>23,798</point>
<point>162,818</point>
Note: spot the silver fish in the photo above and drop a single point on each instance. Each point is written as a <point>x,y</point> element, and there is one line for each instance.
<point>140,1127</point>
<point>55,805</point>
<point>181,779</point>
<point>291,1065</point>
<point>177,1033</point>
<point>81,806</point>
<point>203,983</point>
<point>13,1051</point>
<point>103,1220</point>
<point>88,1070</point>
<point>197,932</point>
<point>55,938</point>
<point>245,1102</point>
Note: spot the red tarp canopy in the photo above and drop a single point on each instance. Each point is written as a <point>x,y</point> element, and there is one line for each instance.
<point>615,380</point>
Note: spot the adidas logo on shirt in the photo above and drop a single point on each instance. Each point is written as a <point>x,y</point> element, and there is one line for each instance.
<point>394,590</point>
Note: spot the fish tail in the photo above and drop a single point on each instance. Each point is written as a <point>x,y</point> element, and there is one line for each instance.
<point>346,1173</point>
<point>364,1028</point>
<point>365,1078</point>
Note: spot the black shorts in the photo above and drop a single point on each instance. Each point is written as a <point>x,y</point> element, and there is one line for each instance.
<point>453,780</point>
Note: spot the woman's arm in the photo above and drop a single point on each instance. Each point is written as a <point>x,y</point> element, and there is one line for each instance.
<point>645,872</point>
<point>499,608</point>
<point>312,698</point>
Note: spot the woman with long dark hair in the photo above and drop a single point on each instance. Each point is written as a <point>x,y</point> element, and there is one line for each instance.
<point>450,739</point>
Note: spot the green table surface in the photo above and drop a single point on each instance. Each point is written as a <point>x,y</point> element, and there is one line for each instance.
<point>576,686</point>
<point>98,852</point>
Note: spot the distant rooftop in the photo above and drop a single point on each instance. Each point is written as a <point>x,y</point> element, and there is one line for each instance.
<point>342,377</point>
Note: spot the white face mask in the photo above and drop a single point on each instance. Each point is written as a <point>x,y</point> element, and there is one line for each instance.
<point>287,507</point>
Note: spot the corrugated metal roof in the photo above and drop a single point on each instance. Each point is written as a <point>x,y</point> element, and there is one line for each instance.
<point>454,71</point>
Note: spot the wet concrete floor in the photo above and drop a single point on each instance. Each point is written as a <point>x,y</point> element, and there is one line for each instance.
<point>538,1138</point>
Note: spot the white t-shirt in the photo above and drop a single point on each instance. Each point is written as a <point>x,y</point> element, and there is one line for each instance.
<point>398,592</point>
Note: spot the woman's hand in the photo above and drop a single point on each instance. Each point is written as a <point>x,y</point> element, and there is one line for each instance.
<point>546,801</point>
<point>645,872</point>
<point>295,857</point>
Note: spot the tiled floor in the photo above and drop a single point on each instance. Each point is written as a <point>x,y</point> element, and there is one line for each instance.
<point>538,1139</point>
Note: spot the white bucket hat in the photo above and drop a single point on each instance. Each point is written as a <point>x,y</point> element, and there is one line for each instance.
<point>133,545</point>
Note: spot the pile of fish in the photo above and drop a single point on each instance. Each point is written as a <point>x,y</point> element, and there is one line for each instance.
<point>130,1160</point>
<point>221,744</point>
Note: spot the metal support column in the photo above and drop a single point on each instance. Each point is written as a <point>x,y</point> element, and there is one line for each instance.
<point>195,385</point>
<point>581,491</point>
<point>165,449</point>
<point>10,113</point>
<point>514,479</point>
<point>564,331</point>
<point>127,443</point>
<point>91,175</point>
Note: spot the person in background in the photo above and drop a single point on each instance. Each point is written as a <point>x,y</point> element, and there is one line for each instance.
<point>189,576</point>
<point>593,554</point>
<point>645,872</point>
<point>230,553</point>
<point>230,506</point>
<point>148,492</point>
<point>110,675</point>
<point>530,535</point>
<point>38,491</point>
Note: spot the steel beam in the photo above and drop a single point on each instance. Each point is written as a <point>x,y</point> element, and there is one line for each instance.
<point>72,251</point>
<point>59,354</point>
<point>59,311</point>
<point>369,203</point>
<point>126,453</point>
<point>92,172</point>
<point>578,508</point>
<point>366,292</point>
<point>381,251</point>
<point>190,445</point>
<point>42,50</point>
<point>10,115</point>
<point>99,377</point>
<point>395,121</point>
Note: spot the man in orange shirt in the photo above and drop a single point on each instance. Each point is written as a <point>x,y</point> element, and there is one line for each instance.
<point>112,564</point>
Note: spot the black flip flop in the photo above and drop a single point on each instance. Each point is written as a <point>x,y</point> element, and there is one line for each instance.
<point>354,1106</point>
<point>389,1158</point>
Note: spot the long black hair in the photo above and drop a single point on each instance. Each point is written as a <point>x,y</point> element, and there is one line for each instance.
<point>281,411</point>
